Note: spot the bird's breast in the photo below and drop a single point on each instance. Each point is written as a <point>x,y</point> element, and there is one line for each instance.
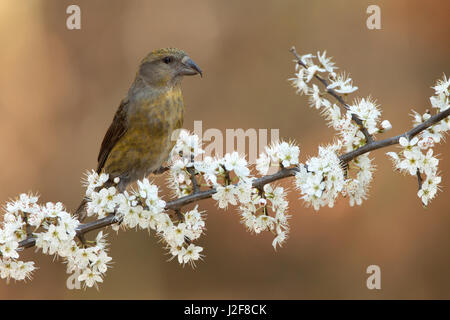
<point>161,116</point>
<point>153,130</point>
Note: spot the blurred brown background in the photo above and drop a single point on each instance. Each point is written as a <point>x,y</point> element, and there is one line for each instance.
<point>59,90</point>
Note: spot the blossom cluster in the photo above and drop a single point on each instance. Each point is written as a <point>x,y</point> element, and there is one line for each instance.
<point>365,109</point>
<point>279,154</point>
<point>144,209</point>
<point>231,179</point>
<point>185,151</point>
<point>321,179</point>
<point>12,231</point>
<point>54,230</point>
<point>255,214</point>
<point>311,181</point>
<point>416,156</point>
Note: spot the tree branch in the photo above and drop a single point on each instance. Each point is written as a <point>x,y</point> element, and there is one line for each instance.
<point>177,204</point>
<point>394,140</point>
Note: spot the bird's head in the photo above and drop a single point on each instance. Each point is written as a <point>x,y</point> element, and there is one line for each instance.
<point>166,67</point>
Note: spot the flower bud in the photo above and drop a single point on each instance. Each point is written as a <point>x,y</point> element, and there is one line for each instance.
<point>386,125</point>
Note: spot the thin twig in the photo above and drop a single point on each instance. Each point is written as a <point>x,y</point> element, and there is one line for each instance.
<point>419,179</point>
<point>191,171</point>
<point>27,225</point>
<point>195,187</point>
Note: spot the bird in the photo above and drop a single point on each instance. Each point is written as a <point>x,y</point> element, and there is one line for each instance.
<point>146,124</point>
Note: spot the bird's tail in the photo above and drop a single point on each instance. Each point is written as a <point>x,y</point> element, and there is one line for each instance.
<point>81,212</point>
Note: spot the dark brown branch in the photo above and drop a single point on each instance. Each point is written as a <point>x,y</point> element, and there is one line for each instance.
<point>334,94</point>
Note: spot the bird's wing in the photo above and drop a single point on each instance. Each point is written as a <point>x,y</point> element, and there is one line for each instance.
<point>116,130</point>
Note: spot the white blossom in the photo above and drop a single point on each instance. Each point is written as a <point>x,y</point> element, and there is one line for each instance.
<point>90,277</point>
<point>386,125</point>
<point>191,254</point>
<point>188,145</point>
<point>368,112</point>
<point>263,163</point>
<point>442,86</point>
<point>225,195</point>
<point>278,153</point>
<point>234,162</point>
<point>342,84</point>
<point>326,63</point>
<point>429,188</point>
<point>299,82</point>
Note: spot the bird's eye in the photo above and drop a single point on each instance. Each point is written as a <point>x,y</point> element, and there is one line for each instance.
<point>167,60</point>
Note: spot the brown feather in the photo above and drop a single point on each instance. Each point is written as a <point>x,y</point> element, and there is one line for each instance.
<point>116,130</point>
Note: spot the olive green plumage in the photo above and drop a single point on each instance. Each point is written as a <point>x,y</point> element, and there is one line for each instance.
<point>144,128</point>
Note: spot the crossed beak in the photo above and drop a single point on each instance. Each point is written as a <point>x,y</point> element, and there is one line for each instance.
<point>190,68</point>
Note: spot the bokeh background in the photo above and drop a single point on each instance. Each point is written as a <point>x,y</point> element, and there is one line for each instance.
<point>59,90</point>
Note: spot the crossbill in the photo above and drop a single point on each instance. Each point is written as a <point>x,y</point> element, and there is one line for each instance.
<point>144,128</point>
